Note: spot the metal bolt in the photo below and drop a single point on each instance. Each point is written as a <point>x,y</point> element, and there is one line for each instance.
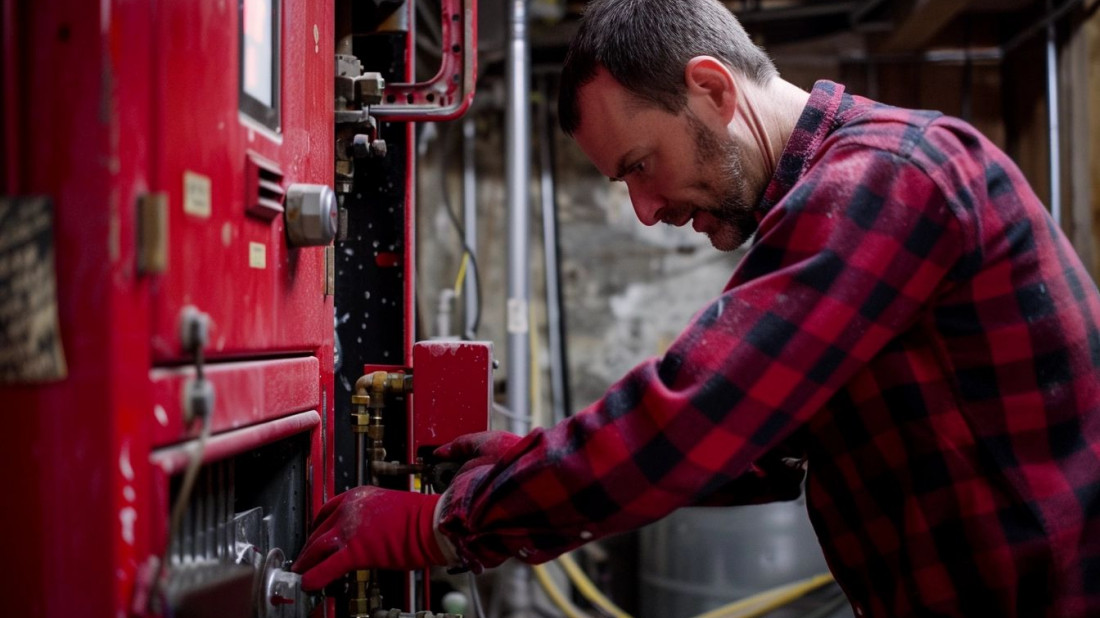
<point>194,328</point>
<point>360,146</point>
<point>378,148</point>
<point>369,87</point>
<point>198,400</point>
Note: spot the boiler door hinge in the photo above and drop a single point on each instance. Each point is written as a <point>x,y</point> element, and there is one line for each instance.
<point>152,254</point>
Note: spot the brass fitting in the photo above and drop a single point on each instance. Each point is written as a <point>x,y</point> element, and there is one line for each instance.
<point>360,418</point>
<point>371,389</point>
<point>357,608</point>
<point>360,606</point>
<point>383,383</point>
<point>369,400</point>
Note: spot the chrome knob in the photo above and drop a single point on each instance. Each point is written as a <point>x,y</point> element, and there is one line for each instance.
<point>312,216</point>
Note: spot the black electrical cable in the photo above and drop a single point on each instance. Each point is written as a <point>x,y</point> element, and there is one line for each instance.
<point>471,333</point>
<point>473,268</point>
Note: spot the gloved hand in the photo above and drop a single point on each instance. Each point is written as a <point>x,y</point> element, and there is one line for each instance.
<point>366,528</point>
<point>476,449</point>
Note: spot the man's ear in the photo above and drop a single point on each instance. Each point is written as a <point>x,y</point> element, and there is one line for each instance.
<point>713,86</point>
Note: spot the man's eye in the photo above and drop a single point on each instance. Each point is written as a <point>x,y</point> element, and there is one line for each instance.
<point>638,167</point>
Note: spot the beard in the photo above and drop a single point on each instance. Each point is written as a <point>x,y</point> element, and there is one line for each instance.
<point>734,203</point>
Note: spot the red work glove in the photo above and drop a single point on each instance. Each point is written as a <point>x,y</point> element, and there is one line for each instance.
<point>370,528</point>
<point>476,449</point>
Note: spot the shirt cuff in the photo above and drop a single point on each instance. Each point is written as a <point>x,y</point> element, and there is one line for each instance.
<point>445,545</point>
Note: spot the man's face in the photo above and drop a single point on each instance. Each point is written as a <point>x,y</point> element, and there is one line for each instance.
<point>676,168</point>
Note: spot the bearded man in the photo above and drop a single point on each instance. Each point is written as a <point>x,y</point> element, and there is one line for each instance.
<point>908,326</point>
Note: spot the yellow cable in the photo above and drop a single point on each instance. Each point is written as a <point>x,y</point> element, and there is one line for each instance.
<point>556,596</point>
<point>749,607</point>
<point>764,602</point>
<point>587,588</point>
<point>461,274</point>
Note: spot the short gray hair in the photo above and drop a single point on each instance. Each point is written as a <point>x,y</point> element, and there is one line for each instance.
<point>646,44</point>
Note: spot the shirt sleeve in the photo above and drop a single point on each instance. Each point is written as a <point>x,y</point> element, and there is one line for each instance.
<point>843,264</point>
<point>776,476</point>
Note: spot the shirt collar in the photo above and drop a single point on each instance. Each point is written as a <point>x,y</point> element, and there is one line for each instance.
<point>820,116</point>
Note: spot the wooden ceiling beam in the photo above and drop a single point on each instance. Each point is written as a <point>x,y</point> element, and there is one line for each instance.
<point>921,22</point>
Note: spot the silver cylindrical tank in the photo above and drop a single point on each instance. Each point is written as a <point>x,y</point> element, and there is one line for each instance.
<point>701,558</point>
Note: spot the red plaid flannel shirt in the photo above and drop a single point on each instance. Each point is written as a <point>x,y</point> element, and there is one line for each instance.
<point>909,323</point>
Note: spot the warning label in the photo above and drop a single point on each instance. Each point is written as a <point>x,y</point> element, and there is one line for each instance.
<point>30,336</point>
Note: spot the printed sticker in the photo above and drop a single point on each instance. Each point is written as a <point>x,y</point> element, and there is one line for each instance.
<point>257,255</point>
<point>196,194</point>
<point>30,332</point>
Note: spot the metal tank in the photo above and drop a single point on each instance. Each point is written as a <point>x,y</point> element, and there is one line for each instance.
<point>701,558</point>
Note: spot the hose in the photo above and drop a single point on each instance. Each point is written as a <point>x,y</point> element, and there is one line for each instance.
<point>764,602</point>
<point>556,596</point>
<point>475,594</point>
<point>587,588</point>
<point>749,607</point>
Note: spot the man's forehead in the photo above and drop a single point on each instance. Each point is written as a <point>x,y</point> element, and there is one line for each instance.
<point>609,132</point>
<point>604,91</point>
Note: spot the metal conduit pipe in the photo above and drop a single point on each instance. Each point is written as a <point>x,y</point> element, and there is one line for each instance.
<point>559,396</point>
<point>469,221</point>
<point>517,595</point>
<point>1052,118</point>
<point>518,178</point>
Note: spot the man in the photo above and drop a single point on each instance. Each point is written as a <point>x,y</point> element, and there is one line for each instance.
<point>908,325</point>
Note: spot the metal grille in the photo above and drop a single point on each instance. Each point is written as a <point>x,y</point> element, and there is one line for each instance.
<point>207,530</point>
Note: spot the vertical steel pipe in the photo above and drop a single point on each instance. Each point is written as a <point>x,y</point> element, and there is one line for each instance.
<point>469,220</point>
<point>518,178</point>
<point>1052,115</point>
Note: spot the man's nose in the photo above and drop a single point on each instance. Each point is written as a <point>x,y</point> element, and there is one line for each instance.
<point>647,205</point>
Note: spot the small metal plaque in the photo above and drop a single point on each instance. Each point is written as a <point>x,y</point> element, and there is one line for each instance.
<point>196,195</point>
<point>257,255</point>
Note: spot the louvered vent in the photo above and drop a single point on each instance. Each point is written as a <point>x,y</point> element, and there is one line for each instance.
<point>263,187</point>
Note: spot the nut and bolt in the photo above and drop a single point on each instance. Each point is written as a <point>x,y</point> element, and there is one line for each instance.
<point>362,146</point>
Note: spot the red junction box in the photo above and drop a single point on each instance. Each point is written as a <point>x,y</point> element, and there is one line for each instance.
<point>452,390</point>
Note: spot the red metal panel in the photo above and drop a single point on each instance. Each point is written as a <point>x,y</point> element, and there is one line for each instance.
<point>70,447</point>
<point>410,238</point>
<point>245,393</point>
<point>11,68</point>
<point>113,100</point>
<point>273,303</point>
<point>175,459</point>
<point>452,390</point>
